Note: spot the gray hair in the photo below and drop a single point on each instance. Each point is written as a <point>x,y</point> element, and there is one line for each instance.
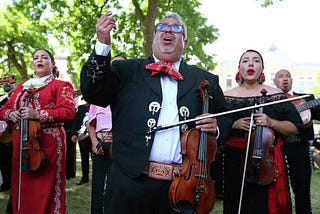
<point>177,17</point>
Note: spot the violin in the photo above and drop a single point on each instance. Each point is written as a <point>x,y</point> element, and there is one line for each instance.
<point>260,169</point>
<point>194,185</point>
<point>32,158</point>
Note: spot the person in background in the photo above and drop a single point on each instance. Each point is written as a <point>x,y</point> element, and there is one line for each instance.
<point>6,131</point>
<point>46,103</point>
<point>71,152</point>
<point>142,97</point>
<point>99,129</point>
<point>273,124</point>
<point>80,134</point>
<point>6,135</point>
<point>297,147</point>
<point>71,164</point>
<point>316,151</point>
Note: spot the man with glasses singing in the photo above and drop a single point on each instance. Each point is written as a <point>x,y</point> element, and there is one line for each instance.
<point>145,94</point>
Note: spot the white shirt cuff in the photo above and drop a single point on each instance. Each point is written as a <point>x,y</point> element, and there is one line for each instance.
<point>102,49</point>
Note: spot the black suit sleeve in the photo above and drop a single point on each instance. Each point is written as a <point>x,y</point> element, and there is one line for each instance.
<point>78,119</point>
<point>95,83</point>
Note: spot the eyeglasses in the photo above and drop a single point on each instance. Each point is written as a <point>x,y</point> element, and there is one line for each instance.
<point>174,28</point>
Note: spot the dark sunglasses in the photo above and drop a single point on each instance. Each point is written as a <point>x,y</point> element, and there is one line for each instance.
<point>174,28</point>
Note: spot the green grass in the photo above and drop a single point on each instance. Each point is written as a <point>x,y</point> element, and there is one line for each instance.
<point>79,197</point>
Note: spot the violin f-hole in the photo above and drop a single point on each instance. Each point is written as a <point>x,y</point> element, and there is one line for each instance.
<point>189,174</point>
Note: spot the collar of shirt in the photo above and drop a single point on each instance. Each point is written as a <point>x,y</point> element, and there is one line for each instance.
<point>290,92</point>
<point>45,77</point>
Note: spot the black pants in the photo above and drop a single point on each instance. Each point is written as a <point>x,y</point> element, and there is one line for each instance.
<point>100,168</point>
<point>85,151</point>
<point>254,197</point>
<point>300,165</point>
<point>142,195</point>
<point>217,172</point>
<point>5,164</point>
<point>71,157</point>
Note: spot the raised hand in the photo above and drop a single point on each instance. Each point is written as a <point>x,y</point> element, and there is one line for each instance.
<point>104,26</point>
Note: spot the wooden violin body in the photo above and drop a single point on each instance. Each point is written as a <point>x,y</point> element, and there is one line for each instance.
<point>260,169</point>
<point>194,186</point>
<point>32,157</point>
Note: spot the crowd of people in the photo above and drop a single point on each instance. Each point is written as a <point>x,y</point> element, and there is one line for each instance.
<point>134,124</point>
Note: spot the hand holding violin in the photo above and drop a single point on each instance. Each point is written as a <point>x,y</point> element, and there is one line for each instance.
<point>23,113</point>
<point>14,116</point>
<point>262,119</point>
<point>208,125</point>
<point>242,123</point>
<point>28,113</point>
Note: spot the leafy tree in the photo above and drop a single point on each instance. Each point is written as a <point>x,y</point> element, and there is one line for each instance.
<point>316,89</point>
<point>31,24</point>
<point>267,3</point>
<point>136,21</point>
<point>19,35</point>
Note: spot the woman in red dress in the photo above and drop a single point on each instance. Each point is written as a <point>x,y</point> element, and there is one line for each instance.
<point>50,104</point>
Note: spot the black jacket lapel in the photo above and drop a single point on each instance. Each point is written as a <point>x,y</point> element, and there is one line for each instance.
<point>151,81</point>
<point>189,80</point>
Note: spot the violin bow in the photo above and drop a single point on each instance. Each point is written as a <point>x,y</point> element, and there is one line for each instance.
<point>23,138</point>
<point>162,127</point>
<point>20,164</point>
<point>246,160</point>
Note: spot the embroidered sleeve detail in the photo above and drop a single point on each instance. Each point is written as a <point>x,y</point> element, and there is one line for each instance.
<point>95,69</point>
<point>44,116</point>
<point>68,94</point>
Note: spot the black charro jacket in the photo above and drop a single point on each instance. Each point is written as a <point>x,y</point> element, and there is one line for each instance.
<point>129,89</point>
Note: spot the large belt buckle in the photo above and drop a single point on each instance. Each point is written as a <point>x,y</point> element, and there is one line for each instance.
<point>160,171</point>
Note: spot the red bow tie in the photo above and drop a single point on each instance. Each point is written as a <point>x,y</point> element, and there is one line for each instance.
<point>165,67</point>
